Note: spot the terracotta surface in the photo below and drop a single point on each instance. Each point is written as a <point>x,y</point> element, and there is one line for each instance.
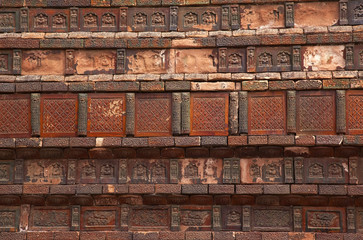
<point>196,61</point>
<point>257,17</point>
<point>320,58</point>
<point>306,14</point>
<point>95,62</point>
<point>43,62</point>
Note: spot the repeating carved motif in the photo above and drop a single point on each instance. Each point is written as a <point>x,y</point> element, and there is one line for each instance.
<point>9,220</point>
<point>106,115</point>
<point>7,21</point>
<point>209,17</point>
<point>195,219</point>
<point>359,220</point>
<point>41,21</point>
<point>149,218</point>
<point>90,20</point>
<point>140,19</point>
<point>354,112</point>
<point>74,19</point>
<point>316,112</point>
<point>231,217</point>
<point>140,173</point>
<point>267,113</point>
<point>158,19</point>
<point>50,218</point>
<point>324,170</point>
<point>274,59</point>
<point>283,59</point>
<point>173,18</point>
<point>43,171</point>
<point>316,171</point>
<point>24,19</point>
<point>59,116</point>
<point>265,60</point>
<point>6,172</point>
<point>358,13</point>
<point>260,170</point>
<point>108,20</point>
<point>59,21</point>
<point>190,19</point>
<point>4,63</point>
<point>271,219</point>
<point>105,218</point>
<point>15,116</point>
<point>153,115</point>
<point>199,18</point>
<point>320,219</point>
<point>209,114</point>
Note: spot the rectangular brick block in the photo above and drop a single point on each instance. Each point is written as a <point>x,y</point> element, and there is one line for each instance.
<point>221,189</point>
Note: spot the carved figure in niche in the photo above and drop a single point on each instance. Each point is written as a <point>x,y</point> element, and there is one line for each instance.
<point>104,61</point>
<point>70,60</point>
<point>72,170</point>
<point>361,58</point>
<point>17,60</point>
<point>190,19</point>
<point>289,13</point>
<point>59,21</point>
<point>296,56</point>
<point>174,16</point>
<point>208,17</point>
<point>41,20</point>
<point>349,55</point>
<point>227,169</point>
<point>159,60</point>
<point>353,169</point>
<point>235,60</point>
<point>255,170</point>
<point>50,219</point>
<point>90,20</point>
<point>7,20</point>
<point>57,169</point>
<point>316,171</point>
<point>288,167</point>
<point>234,218</point>
<point>140,19</point>
<point>191,171</point>
<point>234,14</point>
<point>283,59</point>
<point>140,172</point>
<point>174,169</point>
<point>297,215</point>
<point>108,20</point>
<point>36,169</point>
<point>74,17</point>
<point>158,19</point>
<point>225,15</point>
<point>107,170</point>
<point>36,58</point>
<point>193,218</point>
<point>223,56</point>
<point>251,56</point>
<point>4,172</point>
<point>88,171</point>
<point>358,13</point>
<point>210,169</point>
<point>272,170</point>
<point>320,219</point>
<point>7,219</point>
<point>3,62</point>
<point>265,60</point>
<point>335,171</point>
<point>23,18</point>
<point>343,11</point>
<point>158,171</point>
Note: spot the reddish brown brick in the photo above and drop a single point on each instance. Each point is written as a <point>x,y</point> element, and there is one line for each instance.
<point>63,189</point>
<point>316,200</point>
<point>39,235</point>
<point>276,189</point>
<point>355,190</point>
<point>249,189</point>
<point>145,236</point>
<point>222,199</point>
<point>269,200</point>
<point>168,188</point>
<point>172,153</point>
<point>100,153</point>
<point>187,141</point>
<point>248,235</point>
<point>305,140</point>
<point>161,141</point>
<point>89,189</point>
<point>148,153</point>
<point>341,201</point>
<point>92,235</point>
<point>242,200</point>
<point>35,189</point>
<point>237,140</point>
<point>191,235</point>
<point>322,152</point>
<point>329,236</point>
<point>244,152</point>
<point>304,189</point>
<point>223,236</point>
<point>221,189</point>
<point>124,153</point>
<point>141,188</point>
<point>201,200</point>
<point>12,236</point>
<point>11,189</point>
<point>257,140</point>
<point>197,152</point>
<point>275,236</point>
<point>296,152</point>
<point>221,152</point>
<point>291,200</point>
<point>164,235</point>
<point>195,189</point>
<point>75,153</point>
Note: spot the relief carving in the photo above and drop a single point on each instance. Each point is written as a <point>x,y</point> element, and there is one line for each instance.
<point>190,19</point>
<point>335,171</point>
<point>7,20</point>
<point>158,172</point>
<point>349,56</point>
<point>99,218</point>
<point>316,171</point>
<point>158,19</point>
<point>140,19</point>
<point>208,17</point>
<point>234,17</point>
<point>107,170</point>
<point>140,172</point>
<point>50,218</point>
<point>322,219</point>
<point>74,18</point>
<point>272,170</point>
<point>361,58</point>
<point>271,218</point>
<point>358,13</point>
<point>4,172</point>
<point>41,21</point>
<point>149,217</point>
<point>191,171</point>
<point>108,20</point>
<point>193,218</point>
<point>235,60</point>
<point>90,20</point>
<point>265,60</point>
<point>283,59</point>
<point>4,63</point>
<point>234,218</point>
<point>255,170</point>
<point>223,58</point>
<point>59,21</point>
<point>89,171</point>
<point>7,219</point>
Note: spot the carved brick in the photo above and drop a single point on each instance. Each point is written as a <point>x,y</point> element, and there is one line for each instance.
<point>176,113</point>
<point>298,215</point>
<point>150,218</point>
<point>196,171</point>
<point>70,62</point>
<point>124,220</point>
<point>99,19</point>
<point>199,18</point>
<point>149,19</point>
<point>354,108</point>
<point>47,218</point>
<point>196,60</point>
<point>359,220</point>
<point>185,113</point>
<point>175,218</point>
<point>289,14</point>
<point>18,171</point>
<point>209,114</point>
<point>95,61</point>
<point>24,19</point>
<point>15,116</point>
<point>341,111</point>
<point>121,61</point>
<point>92,171</point>
<point>195,218</point>
<point>232,218</point>
<point>100,218</point>
<point>17,62</point>
<point>289,170</point>
<point>45,172</point>
<point>58,115</point>
<point>271,219</point>
<point>291,112</point>
<point>296,58</point>
<point>355,167</point>
<point>43,62</point>
<point>232,60</point>
<point>351,222</point>
<point>6,172</point>
<point>251,59</point>
<point>299,169</point>
<point>9,20</point>
<point>262,170</point>
<point>148,171</point>
<point>130,113</point>
<point>233,113</point>
<point>231,170</point>
<point>324,219</point>
<point>48,20</point>
<point>322,170</point>
<point>257,17</point>
<point>173,18</point>
<point>123,19</point>
<point>315,112</point>
<point>71,175</point>
<point>153,115</point>
<point>230,17</point>
<point>354,13</point>
<point>266,113</point>
<point>74,19</point>
<point>246,218</point>
<point>106,114</point>
<point>76,218</point>
<point>243,111</point>
<point>147,61</point>
<point>6,62</point>
<point>273,59</point>
<point>9,219</point>
<point>82,114</point>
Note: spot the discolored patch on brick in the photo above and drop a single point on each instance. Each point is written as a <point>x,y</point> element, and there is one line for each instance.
<point>195,218</point>
<point>45,172</point>
<point>257,17</point>
<point>266,113</point>
<point>323,219</point>
<point>273,59</point>
<point>6,172</point>
<point>315,112</point>
<point>15,116</point>
<point>148,61</point>
<point>321,58</point>
<point>209,114</point>
<point>106,115</point>
<point>50,218</point>
<point>153,115</point>
<point>305,14</point>
<point>9,20</point>
<point>149,218</point>
<point>43,62</point>
<point>197,171</point>
<point>100,218</point>
<point>10,218</point>
<point>95,61</point>
<point>196,60</point>
<point>262,170</point>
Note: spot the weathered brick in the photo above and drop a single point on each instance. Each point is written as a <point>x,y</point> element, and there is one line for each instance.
<point>281,140</point>
<point>168,188</point>
<point>249,189</point>
<point>141,188</point>
<point>214,141</point>
<point>187,141</point>
<point>148,153</point>
<point>195,189</point>
<point>257,140</point>
<point>329,140</point>
<point>172,153</point>
<point>308,84</point>
<point>276,189</point>
<point>89,189</point>
<point>221,189</point>
<point>355,190</point>
<point>193,235</point>
<point>35,189</point>
<point>307,189</point>
<point>254,85</point>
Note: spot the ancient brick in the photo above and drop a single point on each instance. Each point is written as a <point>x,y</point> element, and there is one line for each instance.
<point>249,189</point>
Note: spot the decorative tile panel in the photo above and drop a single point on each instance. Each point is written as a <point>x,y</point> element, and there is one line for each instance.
<point>99,19</point>
<point>95,61</point>
<point>43,62</point>
<point>262,170</point>
<point>355,12</point>
<point>354,108</point>
<point>9,20</point>
<point>209,114</point>
<point>199,18</point>
<point>45,172</point>
<point>153,115</point>
<point>6,62</point>
<point>266,113</point>
<point>58,115</point>
<point>232,60</point>
<point>148,19</point>
<point>97,171</point>
<point>271,219</point>
<point>148,171</point>
<point>195,218</point>
<point>315,112</point>
<point>200,171</point>
<point>359,220</point>
<point>49,20</point>
<point>106,114</point>
<point>232,218</point>
<point>9,219</point>
<point>50,218</point>
<point>100,218</point>
<point>6,172</point>
<point>320,219</point>
<point>273,59</point>
<point>15,116</point>
<point>148,61</point>
<point>149,218</point>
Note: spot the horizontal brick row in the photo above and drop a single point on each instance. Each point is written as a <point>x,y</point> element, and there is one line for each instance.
<point>297,192</point>
<point>181,217</point>
<point>166,114</point>
<point>187,171</point>
<point>165,235</point>
<point>176,18</point>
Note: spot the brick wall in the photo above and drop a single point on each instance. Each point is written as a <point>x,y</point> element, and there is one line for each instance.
<point>193,120</point>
